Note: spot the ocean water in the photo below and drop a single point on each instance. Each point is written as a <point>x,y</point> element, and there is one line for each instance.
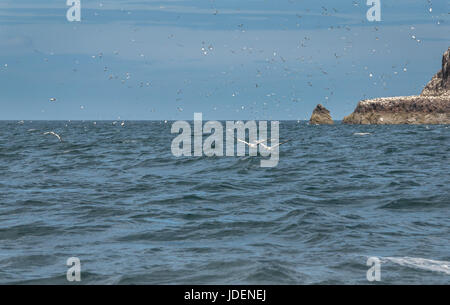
<point>116,198</point>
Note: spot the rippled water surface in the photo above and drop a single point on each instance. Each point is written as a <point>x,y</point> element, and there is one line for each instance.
<point>115,197</point>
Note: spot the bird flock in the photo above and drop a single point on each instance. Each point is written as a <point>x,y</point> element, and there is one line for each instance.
<point>299,68</point>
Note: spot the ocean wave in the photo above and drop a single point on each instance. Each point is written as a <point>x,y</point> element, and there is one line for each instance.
<point>420,263</point>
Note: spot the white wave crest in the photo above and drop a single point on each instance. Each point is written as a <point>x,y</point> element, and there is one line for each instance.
<point>420,263</point>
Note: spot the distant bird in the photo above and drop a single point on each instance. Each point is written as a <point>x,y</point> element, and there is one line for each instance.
<point>361,133</point>
<point>52,99</point>
<point>275,146</point>
<point>253,145</point>
<point>53,134</point>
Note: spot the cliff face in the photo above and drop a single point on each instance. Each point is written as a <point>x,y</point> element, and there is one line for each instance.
<point>440,83</point>
<point>321,116</point>
<point>402,110</point>
<point>431,107</point>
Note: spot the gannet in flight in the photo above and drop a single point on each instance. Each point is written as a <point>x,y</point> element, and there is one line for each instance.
<point>53,134</point>
<point>275,146</point>
<point>252,145</point>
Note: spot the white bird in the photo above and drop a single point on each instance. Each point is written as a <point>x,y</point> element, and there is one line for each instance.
<point>52,99</point>
<point>361,133</point>
<point>252,145</point>
<point>275,146</point>
<point>53,134</point>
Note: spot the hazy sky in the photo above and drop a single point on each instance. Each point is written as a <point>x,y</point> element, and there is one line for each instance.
<point>230,59</point>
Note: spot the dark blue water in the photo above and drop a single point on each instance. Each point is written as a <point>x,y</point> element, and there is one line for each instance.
<point>115,197</point>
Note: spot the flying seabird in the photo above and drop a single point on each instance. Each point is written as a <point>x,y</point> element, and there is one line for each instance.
<point>252,145</point>
<point>275,146</point>
<point>53,134</point>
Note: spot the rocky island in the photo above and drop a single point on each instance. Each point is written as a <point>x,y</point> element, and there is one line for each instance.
<point>321,116</point>
<point>432,106</point>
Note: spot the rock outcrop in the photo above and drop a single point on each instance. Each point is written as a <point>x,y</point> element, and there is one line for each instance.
<point>321,116</point>
<point>440,83</point>
<point>432,106</point>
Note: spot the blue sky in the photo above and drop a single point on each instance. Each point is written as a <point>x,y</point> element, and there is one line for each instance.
<point>246,59</point>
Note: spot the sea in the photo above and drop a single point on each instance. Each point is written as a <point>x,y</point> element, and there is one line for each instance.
<point>114,197</point>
